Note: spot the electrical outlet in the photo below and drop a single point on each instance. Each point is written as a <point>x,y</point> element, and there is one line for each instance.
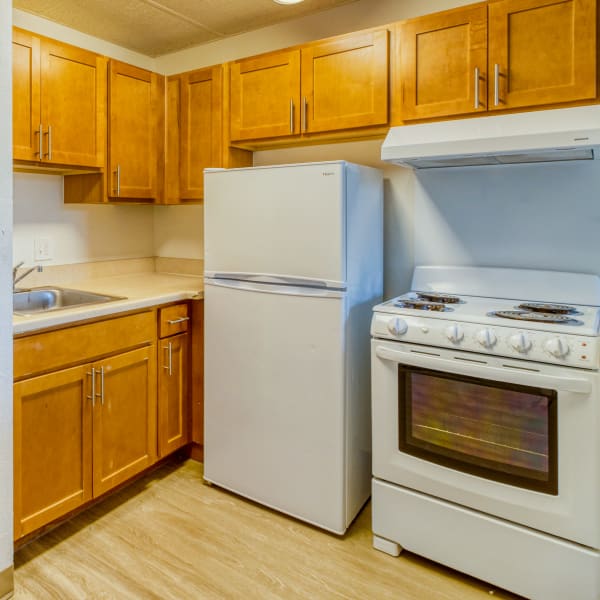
<point>42,249</point>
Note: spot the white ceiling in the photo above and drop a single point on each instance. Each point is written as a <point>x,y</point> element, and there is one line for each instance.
<point>156,27</point>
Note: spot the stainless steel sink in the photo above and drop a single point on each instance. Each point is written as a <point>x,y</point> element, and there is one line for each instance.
<point>44,299</point>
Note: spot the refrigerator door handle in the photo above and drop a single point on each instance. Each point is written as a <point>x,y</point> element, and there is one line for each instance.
<point>270,288</point>
<point>276,280</point>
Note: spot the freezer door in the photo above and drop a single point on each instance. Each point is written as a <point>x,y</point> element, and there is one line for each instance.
<point>282,220</point>
<point>274,399</point>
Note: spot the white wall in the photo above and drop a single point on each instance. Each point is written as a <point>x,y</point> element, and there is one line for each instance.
<point>77,233</point>
<point>178,231</point>
<point>529,216</point>
<point>6,411</point>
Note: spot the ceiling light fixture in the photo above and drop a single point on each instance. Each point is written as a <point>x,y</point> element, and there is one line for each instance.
<point>288,1</point>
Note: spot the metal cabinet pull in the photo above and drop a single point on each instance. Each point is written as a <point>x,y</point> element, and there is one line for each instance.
<point>92,374</point>
<point>291,115</point>
<point>304,115</point>
<point>496,84</point>
<point>101,394</point>
<point>40,134</point>
<point>180,320</point>
<point>49,155</point>
<point>476,88</point>
<point>169,365</point>
<point>118,173</point>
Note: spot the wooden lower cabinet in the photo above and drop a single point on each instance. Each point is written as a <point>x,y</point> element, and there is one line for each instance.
<point>124,424</point>
<point>173,393</point>
<point>52,447</point>
<point>82,430</point>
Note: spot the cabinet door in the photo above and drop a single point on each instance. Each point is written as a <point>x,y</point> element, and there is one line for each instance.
<point>173,393</point>
<point>73,105</point>
<point>26,96</point>
<point>52,447</point>
<point>265,96</point>
<point>197,392</point>
<point>541,52</point>
<point>201,132</point>
<point>443,63</point>
<point>136,113</point>
<point>124,417</point>
<point>345,82</point>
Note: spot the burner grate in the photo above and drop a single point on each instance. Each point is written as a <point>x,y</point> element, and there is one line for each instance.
<point>438,297</point>
<point>545,307</point>
<point>422,305</point>
<point>529,315</point>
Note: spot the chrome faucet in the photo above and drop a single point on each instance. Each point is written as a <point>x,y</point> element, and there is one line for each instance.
<point>18,278</point>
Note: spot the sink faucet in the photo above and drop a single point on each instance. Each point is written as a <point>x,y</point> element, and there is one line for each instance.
<point>16,278</point>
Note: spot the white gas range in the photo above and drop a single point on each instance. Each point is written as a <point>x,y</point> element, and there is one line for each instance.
<point>486,426</point>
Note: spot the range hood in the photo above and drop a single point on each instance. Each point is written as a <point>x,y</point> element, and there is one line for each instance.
<point>531,137</point>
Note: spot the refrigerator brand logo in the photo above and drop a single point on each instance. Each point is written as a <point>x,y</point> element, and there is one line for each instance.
<point>328,173</point>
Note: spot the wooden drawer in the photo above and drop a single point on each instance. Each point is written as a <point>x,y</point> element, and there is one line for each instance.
<point>53,350</point>
<point>173,319</point>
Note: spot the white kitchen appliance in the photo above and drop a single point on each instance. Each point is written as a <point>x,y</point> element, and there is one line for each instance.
<point>538,136</point>
<point>293,264</point>
<point>486,426</point>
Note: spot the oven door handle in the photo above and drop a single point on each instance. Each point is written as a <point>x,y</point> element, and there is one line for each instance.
<point>563,384</point>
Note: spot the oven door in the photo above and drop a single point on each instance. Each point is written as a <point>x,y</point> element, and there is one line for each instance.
<point>514,439</point>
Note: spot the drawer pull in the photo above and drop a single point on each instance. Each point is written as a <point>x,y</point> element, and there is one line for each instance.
<point>176,321</point>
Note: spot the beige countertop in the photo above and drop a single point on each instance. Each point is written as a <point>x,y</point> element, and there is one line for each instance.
<point>140,291</point>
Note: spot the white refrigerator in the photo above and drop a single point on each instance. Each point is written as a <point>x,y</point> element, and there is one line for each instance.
<point>293,265</point>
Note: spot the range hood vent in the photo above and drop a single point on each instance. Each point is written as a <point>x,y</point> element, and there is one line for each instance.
<point>563,134</point>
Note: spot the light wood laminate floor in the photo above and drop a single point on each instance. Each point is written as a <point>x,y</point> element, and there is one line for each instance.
<point>169,536</point>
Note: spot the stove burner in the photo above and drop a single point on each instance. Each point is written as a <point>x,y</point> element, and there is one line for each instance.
<point>421,305</point>
<point>543,317</point>
<point>545,307</point>
<point>438,297</point>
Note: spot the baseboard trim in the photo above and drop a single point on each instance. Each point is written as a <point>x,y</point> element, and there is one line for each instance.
<point>6,583</point>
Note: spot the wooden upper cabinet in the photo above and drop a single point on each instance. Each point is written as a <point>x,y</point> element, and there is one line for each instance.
<point>26,95</point>
<point>59,102</point>
<point>543,51</point>
<point>265,96</point>
<point>443,62</point>
<point>135,132</point>
<point>345,82</point>
<point>201,129</point>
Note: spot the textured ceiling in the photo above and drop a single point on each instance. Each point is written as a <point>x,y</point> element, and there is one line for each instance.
<point>155,27</point>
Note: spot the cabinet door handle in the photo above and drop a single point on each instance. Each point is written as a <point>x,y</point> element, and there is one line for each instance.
<point>40,134</point>
<point>49,134</point>
<point>291,115</point>
<point>169,365</point>
<point>496,84</point>
<point>118,174</point>
<point>476,88</point>
<point>101,394</point>
<point>304,115</point>
<point>180,320</point>
<point>92,374</point>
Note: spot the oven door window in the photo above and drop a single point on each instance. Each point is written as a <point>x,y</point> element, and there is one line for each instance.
<point>495,430</point>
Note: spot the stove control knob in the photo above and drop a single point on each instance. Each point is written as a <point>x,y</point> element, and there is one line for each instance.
<point>486,337</point>
<point>520,342</point>
<point>454,333</point>
<point>397,326</point>
<point>557,347</point>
